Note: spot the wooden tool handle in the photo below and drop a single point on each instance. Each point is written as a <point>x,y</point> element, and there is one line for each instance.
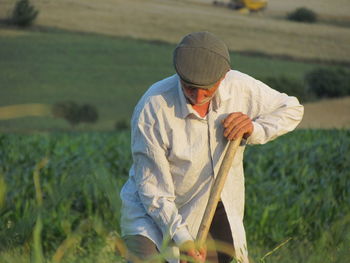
<point>216,190</point>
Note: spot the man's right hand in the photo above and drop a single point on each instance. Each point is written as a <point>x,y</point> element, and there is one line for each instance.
<point>189,249</point>
<point>237,124</point>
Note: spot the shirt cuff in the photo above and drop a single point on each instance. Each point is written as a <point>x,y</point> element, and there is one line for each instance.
<point>257,135</point>
<point>182,235</point>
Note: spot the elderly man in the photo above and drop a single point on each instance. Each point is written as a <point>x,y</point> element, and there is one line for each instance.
<point>180,129</point>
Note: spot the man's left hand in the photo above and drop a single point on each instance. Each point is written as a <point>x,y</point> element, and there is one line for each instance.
<point>196,255</point>
<point>237,124</point>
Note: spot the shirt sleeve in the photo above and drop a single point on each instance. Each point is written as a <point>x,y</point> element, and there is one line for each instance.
<point>275,113</point>
<point>154,181</point>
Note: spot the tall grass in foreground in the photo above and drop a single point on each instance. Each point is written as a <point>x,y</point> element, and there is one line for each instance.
<point>298,187</point>
<point>59,197</point>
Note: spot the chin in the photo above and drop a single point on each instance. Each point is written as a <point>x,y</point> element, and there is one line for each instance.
<point>201,103</point>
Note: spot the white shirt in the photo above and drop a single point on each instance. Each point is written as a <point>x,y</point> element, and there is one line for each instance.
<point>177,154</point>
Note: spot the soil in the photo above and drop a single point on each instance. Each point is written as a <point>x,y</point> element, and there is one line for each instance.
<point>327,114</point>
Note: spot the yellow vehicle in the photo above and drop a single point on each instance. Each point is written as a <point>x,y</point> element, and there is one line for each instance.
<point>251,5</point>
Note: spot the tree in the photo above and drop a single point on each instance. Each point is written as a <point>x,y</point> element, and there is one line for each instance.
<point>23,14</point>
<point>75,113</point>
<point>303,14</point>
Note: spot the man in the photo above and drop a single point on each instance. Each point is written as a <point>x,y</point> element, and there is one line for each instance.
<point>180,129</point>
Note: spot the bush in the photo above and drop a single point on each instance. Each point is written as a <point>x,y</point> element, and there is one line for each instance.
<point>122,124</point>
<point>289,86</point>
<point>74,113</point>
<point>23,14</point>
<point>325,82</point>
<point>303,14</point>
<point>88,113</point>
<point>68,110</point>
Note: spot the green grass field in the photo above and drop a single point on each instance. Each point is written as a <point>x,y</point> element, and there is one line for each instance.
<point>61,201</point>
<point>109,72</point>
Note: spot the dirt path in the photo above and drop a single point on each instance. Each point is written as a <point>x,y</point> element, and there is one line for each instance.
<point>334,113</point>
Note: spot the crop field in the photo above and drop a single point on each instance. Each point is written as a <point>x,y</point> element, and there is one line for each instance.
<point>169,20</point>
<point>60,202</point>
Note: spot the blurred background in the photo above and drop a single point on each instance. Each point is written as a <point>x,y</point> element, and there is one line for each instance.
<point>71,72</point>
<point>98,57</point>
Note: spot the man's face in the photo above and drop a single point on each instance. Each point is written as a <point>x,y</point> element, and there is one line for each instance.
<point>198,96</point>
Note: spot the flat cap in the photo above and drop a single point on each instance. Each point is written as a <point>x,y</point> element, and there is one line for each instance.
<point>201,59</point>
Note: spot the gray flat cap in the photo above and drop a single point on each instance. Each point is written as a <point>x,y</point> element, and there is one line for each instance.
<point>201,59</point>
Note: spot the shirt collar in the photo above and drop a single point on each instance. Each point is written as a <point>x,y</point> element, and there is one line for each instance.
<point>185,108</point>
<point>223,93</point>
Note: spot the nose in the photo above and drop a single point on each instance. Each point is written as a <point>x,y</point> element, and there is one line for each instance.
<point>198,95</point>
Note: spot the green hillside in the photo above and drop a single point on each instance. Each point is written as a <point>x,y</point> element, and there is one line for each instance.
<point>108,72</point>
